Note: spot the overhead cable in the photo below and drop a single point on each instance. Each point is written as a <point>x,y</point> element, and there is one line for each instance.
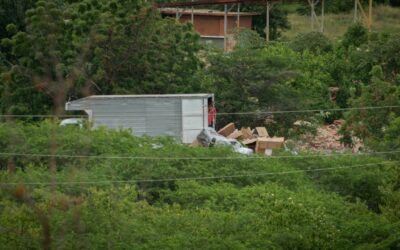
<point>126,114</point>
<point>254,174</point>
<point>111,157</point>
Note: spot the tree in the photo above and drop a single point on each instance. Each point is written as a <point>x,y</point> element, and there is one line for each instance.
<point>314,42</point>
<point>153,55</point>
<point>383,50</point>
<point>251,80</point>
<point>248,39</point>
<point>278,20</point>
<point>355,35</point>
<point>72,49</point>
<point>371,124</point>
<point>13,12</point>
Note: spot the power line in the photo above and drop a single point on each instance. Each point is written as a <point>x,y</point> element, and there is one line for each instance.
<point>125,114</point>
<point>200,177</point>
<point>110,157</point>
<point>310,110</point>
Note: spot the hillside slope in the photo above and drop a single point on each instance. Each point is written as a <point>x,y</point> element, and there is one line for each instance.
<point>386,19</point>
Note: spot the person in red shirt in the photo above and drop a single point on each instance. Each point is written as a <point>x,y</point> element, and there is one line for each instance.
<point>212,114</point>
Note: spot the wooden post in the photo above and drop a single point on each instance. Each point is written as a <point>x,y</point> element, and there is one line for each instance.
<point>192,15</point>
<point>355,11</point>
<point>364,16</point>
<point>238,16</point>
<point>225,26</point>
<point>267,21</point>
<point>322,15</point>
<point>312,14</point>
<point>370,16</point>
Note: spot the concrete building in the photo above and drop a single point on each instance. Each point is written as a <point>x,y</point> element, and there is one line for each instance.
<point>182,116</point>
<point>210,23</point>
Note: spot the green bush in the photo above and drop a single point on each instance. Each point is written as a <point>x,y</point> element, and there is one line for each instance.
<point>101,202</point>
<point>355,35</point>
<point>315,42</point>
<point>370,124</point>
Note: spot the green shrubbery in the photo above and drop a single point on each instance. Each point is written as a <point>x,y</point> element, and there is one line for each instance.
<point>321,209</point>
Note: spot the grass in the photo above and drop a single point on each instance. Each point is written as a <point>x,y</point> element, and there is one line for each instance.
<point>385,19</point>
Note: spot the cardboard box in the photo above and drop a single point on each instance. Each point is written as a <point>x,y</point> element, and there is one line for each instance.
<point>268,143</point>
<point>262,132</point>
<point>261,145</point>
<point>246,133</point>
<point>275,142</point>
<point>249,141</point>
<point>237,134</point>
<point>227,130</point>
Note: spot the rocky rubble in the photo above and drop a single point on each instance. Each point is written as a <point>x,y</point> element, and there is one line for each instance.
<point>326,140</point>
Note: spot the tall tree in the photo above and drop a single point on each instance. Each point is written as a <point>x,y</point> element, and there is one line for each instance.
<point>13,12</point>
<point>76,48</point>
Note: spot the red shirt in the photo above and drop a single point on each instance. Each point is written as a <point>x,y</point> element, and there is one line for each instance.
<point>212,114</point>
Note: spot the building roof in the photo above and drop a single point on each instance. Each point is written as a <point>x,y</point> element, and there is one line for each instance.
<point>86,102</point>
<point>203,12</point>
<point>98,97</point>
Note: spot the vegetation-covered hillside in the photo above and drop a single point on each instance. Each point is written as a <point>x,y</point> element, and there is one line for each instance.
<point>132,195</point>
<point>385,19</point>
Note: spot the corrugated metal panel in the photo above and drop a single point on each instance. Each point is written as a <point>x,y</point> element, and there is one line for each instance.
<point>120,113</point>
<point>192,118</point>
<point>163,117</point>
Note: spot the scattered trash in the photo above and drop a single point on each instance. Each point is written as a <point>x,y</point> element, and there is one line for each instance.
<point>268,152</point>
<point>247,141</point>
<point>326,140</point>
<point>262,132</point>
<point>208,137</point>
<point>237,134</point>
<point>227,130</point>
<point>264,143</point>
<point>246,133</point>
<point>257,140</point>
<point>156,145</point>
<point>301,123</point>
<point>270,120</point>
<point>243,150</point>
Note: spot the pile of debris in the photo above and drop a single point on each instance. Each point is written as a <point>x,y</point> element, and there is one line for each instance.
<point>245,140</point>
<point>326,140</point>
